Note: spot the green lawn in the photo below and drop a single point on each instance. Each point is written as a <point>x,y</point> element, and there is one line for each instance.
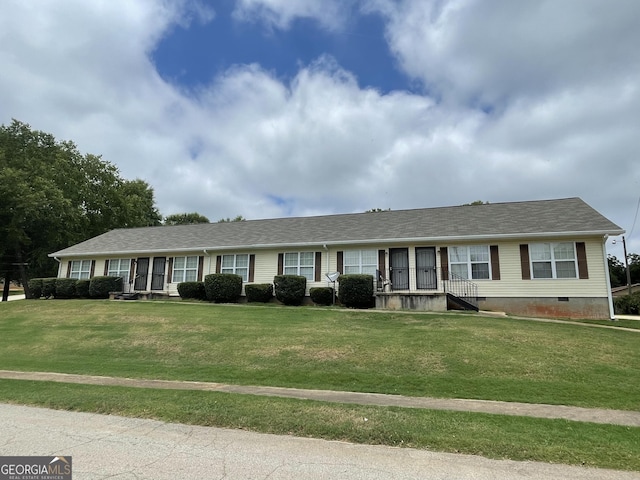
<point>439,355</point>
<point>460,356</point>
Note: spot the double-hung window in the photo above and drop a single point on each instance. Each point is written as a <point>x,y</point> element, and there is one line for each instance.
<point>237,264</point>
<point>553,260</point>
<point>185,269</point>
<point>119,267</point>
<point>80,269</point>
<point>300,263</point>
<point>360,261</point>
<point>470,262</point>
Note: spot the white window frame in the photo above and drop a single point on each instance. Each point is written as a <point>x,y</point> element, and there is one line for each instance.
<point>293,264</point>
<point>550,248</point>
<point>80,269</point>
<point>471,259</point>
<point>233,267</point>
<point>182,272</point>
<point>357,261</point>
<point>122,269</point>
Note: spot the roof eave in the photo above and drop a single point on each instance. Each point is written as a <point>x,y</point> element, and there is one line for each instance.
<point>322,243</point>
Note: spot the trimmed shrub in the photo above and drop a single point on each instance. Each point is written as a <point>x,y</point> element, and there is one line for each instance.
<point>82,288</point>
<point>99,287</point>
<point>65,287</point>
<point>627,304</point>
<point>35,287</point>
<point>290,289</point>
<point>321,295</point>
<point>356,290</point>
<point>193,290</point>
<point>48,287</point>
<point>259,292</point>
<point>223,287</point>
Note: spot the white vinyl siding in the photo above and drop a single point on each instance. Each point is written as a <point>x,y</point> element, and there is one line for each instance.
<point>80,269</point>
<point>236,264</point>
<point>185,269</point>
<point>553,260</point>
<point>360,261</point>
<point>470,262</point>
<point>300,263</point>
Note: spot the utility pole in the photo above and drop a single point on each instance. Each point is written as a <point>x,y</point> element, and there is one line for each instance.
<point>626,265</point>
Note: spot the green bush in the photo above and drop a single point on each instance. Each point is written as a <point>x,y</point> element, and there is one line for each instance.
<point>193,290</point>
<point>321,295</point>
<point>290,289</point>
<point>627,304</point>
<point>258,292</point>
<point>35,287</point>
<point>65,287</point>
<point>223,287</point>
<point>99,287</point>
<point>48,287</point>
<point>82,288</point>
<point>356,290</point>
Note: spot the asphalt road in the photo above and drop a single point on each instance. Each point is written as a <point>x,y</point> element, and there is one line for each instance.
<point>104,446</point>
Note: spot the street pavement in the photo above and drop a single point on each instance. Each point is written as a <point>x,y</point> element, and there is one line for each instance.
<point>106,446</point>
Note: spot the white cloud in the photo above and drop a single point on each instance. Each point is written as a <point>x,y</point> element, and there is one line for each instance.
<point>251,144</point>
<point>280,13</point>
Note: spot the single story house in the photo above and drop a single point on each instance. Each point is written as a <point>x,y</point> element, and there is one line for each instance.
<point>541,258</point>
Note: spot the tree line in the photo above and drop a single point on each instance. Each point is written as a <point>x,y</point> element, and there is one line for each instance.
<point>52,196</point>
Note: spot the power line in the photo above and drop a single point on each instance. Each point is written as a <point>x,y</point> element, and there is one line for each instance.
<point>634,219</point>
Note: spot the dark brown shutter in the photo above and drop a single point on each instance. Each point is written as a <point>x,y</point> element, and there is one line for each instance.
<point>581,251</point>
<point>106,268</point>
<point>218,263</point>
<point>280,263</point>
<point>495,262</point>
<point>93,268</point>
<point>340,262</point>
<point>382,263</point>
<point>318,269</point>
<point>444,262</point>
<point>170,272</point>
<point>200,267</point>
<point>252,267</point>
<point>69,269</point>
<point>524,262</point>
<point>131,269</point>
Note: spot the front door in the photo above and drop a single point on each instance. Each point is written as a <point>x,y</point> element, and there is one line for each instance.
<point>426,278</point>
<point>157,277</point>
<point>142,272</point>
<point>399,267</point>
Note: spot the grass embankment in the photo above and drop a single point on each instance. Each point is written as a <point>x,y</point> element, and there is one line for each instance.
<point>442,355</point>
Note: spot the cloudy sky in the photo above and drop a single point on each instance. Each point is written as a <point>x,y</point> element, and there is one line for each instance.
<point>270,108</point>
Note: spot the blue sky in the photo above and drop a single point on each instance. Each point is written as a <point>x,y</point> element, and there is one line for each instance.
<point>269,108</point>
<point>191,57</point>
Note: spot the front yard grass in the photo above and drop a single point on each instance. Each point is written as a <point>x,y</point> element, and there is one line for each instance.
<point>437,355</point>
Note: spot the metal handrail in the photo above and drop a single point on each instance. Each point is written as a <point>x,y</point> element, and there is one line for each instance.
<point>461,287</point>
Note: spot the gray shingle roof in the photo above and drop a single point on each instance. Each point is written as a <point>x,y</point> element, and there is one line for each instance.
<point>562,217</point>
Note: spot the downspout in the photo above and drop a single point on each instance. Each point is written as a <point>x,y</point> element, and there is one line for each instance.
<point>207,254</point>
<point>607,277</point>
<point>327,249</point>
